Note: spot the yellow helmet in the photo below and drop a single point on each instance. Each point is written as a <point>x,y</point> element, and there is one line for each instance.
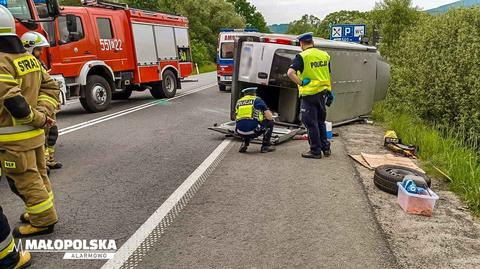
<point>31,40</point>
<point>7,22</point>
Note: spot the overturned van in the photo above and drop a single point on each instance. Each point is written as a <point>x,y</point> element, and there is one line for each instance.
<point>360,76</point>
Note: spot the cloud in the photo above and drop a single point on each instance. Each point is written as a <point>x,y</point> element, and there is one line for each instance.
<point>284,11</point>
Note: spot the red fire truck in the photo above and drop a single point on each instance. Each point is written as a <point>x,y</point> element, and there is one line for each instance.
<point>104,51</point>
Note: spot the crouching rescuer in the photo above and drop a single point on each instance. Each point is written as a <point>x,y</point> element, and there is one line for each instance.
<point>310,70</point>
<point>34,43</point>
<point>28,95</point>
<point>253,119</point>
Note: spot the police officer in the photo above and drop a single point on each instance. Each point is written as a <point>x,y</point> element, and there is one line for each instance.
<point>10,258</point>
<point>310,70</point>
<point>34,43</point>
<point>253,118</point>
<point>27,95</point>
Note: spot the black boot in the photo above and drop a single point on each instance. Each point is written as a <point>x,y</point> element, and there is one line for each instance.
<point>243,147</point>
<point>327,153</point>
<point>310,155</point>
<point>266,149</point>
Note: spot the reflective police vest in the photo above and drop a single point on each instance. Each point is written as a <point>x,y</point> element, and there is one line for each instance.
<point>245,109</point>
<point>316,68</point>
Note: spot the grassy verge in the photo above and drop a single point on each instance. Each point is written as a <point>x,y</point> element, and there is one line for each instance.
<point>442,153</point>
<point>205,68</point>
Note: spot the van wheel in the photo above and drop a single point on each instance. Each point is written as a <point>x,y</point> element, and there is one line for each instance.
<point>98,94</point>
<point>167,88</point>
<point>122,95</point>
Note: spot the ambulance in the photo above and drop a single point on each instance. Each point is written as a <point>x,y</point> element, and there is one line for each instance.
<point>225,50</point>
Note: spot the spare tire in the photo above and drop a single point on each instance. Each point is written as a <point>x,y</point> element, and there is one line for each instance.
<point>387,176</point>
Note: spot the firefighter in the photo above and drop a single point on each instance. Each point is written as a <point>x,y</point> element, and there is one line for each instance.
<point>253,118</point>
<point>27,96</point>
<point>34,43</point>
<point>310,70</point>
<point>10,258</point>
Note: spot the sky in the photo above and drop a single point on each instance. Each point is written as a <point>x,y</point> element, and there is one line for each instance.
<point>285,11</point>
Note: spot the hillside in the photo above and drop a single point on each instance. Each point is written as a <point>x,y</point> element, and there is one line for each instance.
<point>278,28</point>
<point>457,4</point>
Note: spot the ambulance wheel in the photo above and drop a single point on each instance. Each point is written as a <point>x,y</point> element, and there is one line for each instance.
<point>222,87</point>
<point>122,95</point>
<point>167,88</point>
<point>98,94</point>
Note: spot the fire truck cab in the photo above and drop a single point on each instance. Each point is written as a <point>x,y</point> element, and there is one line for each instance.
<point>103,51</point>
<point>225,50</point>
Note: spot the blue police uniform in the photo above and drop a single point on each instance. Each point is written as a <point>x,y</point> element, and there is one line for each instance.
<point>250,120</point>
<point>314,95</point>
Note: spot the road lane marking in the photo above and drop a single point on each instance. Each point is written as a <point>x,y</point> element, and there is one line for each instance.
<point>137,246</point>
<point>124,112</point>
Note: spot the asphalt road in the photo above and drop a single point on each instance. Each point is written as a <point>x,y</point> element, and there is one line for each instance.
<point>116,173</point>
<point>254,210</point>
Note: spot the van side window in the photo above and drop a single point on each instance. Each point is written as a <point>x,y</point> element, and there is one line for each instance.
<point>105,28</point>
<point>66,36</point>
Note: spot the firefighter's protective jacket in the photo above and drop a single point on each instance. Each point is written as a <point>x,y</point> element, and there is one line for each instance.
<point>27,95</point>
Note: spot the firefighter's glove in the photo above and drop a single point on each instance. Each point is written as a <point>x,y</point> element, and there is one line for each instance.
<point>305,82</point>
<point>330,98</point>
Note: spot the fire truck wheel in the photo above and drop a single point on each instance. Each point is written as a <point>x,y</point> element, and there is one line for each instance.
<point>98,94</point>
<point>122,95</point>
<point>222,87</point>
<point>167,88</point>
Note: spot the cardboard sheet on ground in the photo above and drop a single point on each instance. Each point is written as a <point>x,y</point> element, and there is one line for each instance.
<point>373,161</point>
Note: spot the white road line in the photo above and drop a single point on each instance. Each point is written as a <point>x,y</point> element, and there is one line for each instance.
<point>117,114</point>
<point>157,217</point>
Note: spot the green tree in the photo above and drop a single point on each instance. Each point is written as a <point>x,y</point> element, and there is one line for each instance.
<point>70,2</point>
<point>144,4</point>
<point>253,18</point>
<point>393,18</point>
<point>308,23</point>
<point>343,17</point>
<point>206,17</point>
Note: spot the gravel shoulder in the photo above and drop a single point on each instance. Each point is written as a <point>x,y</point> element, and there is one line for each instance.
<point>448,239</point>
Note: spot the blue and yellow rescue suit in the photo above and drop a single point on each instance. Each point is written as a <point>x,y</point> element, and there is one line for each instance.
<point>9,257</point>
<point>250,120</point>
<point>314,64</point>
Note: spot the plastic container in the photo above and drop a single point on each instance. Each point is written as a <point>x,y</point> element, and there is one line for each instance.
<point>415,203</point>
<point>329,129</point>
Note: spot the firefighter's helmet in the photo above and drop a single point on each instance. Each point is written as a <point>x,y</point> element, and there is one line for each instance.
<point>31,40</point>
<point>7,22</point>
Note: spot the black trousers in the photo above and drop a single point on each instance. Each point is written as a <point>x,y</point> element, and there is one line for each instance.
<point>265,129</point>
<point>314,114</point>
<point>12,258</point>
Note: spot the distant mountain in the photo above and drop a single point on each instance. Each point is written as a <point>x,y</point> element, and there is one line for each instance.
<point>279,28</point>
<point>457,4</point>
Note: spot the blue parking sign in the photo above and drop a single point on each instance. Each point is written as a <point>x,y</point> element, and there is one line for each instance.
<point>348,32</point>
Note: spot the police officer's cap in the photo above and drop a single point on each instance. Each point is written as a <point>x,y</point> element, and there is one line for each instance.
<point>305,36</point>
<point>250,90</point>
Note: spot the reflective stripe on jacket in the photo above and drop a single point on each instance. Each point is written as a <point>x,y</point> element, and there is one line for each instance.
<point>316,68</point>
<point>23,75</point>
<point>245,109</point>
